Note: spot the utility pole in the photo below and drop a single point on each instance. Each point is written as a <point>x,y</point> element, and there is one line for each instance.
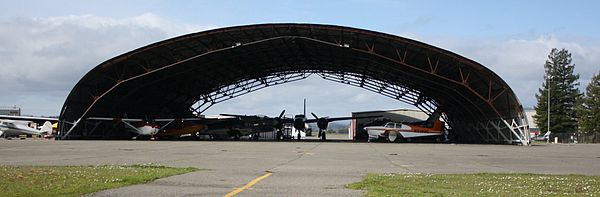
<point>548,80</point>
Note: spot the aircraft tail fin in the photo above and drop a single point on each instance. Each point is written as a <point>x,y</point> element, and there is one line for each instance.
<point>46,128</point>
<point>435,116</point>
<point>305,108</point>
<point>547,134</point>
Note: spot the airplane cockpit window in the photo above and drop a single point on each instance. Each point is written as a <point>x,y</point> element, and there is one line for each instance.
<point>389,125</point>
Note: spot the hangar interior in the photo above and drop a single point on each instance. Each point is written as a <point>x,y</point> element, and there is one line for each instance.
<point>185,75</point>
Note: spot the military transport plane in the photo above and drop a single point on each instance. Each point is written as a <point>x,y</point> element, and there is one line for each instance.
<point>300,122</point>
<point>242,125</point>
<point>262,123</point>
<point>394,131</point>
<point>19,125</point>
<point>237,126</point>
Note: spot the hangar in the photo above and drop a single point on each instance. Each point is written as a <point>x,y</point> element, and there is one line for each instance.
<point>185,75</point>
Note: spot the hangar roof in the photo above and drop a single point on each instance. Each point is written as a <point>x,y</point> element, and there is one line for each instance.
<point>166,78</point>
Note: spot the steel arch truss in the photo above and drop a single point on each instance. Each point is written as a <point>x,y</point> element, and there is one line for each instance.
<point>186,75</point>
<point>244,87</point>
<point>388,89</point>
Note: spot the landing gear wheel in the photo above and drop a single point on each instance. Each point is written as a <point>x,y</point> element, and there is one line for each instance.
<point>236,137</point>
<point>392,136</point>
<point>324,136</point>
<point>299,135</point>
<point>279,135</point>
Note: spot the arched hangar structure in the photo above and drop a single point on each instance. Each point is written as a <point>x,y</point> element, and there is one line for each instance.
<point>183,76</point>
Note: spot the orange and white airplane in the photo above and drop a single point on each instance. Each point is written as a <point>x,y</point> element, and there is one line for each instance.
<point>393,131</point>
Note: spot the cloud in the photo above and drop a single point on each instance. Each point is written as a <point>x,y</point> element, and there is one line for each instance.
<point>520,62</point>
<point>43,58</point>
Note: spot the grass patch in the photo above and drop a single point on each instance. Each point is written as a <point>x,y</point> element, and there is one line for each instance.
<point>77,180</point>
<point>483,184</point>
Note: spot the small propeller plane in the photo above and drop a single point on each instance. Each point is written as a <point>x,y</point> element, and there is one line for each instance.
<point>394,131</point>
<point>20,125</point>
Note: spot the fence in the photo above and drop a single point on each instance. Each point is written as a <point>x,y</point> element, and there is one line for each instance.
<point>575,138</point>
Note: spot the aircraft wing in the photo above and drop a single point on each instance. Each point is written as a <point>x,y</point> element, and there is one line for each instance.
<point>235,115</point>
<point>116,119</point>
<point>219,117</point>
<point>28,118</point>
<point>159,119</point>
<point>338,119</point>
<point>341,118</point>
<point>245,116</point>
<point>177,119</point>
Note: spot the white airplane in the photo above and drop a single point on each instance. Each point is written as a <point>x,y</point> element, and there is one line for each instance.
<point>542,137</point>
<point>10,128</point>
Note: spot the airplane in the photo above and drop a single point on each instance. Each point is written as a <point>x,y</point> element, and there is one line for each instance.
<point>323,123</point>
<point>299,122</point>
<point>235,128</point>
<point>248,125</point>
<point>267,124</point>
<point>169,127</point>
<point>19,125</point>
<point>540,137</point>
<point>394,131</point>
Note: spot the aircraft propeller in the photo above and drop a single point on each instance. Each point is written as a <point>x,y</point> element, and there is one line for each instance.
<point>322,122</point>
<point>279,125</point>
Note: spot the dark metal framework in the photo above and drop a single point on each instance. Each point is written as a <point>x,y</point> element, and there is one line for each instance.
<point>183,76</point>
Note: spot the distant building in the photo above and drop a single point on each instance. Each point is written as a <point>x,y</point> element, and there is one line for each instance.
<point>357,132</point>
<point>533,128</point>
<point>10,111</point>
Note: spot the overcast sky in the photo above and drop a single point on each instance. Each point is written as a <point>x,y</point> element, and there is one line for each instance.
<point>47,46</point>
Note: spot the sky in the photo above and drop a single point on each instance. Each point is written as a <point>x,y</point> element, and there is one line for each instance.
<point>47,46</point>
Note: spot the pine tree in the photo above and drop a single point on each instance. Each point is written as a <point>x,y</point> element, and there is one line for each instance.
<point>561,83</point>
<point>589,121</point>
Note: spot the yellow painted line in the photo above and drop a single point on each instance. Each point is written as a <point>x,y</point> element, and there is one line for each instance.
<point>248,185</point>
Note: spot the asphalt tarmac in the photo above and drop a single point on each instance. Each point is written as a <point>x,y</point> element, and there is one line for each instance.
<point>298,168</point>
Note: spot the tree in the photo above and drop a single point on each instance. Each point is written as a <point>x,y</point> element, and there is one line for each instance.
<point>589,121</point>
<point>562,85</point>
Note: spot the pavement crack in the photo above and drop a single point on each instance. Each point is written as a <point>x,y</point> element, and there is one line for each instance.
<point>388,159</point>
<point>295,158</point>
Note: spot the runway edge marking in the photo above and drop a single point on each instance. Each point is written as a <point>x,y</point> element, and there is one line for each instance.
<point>248,185</point>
